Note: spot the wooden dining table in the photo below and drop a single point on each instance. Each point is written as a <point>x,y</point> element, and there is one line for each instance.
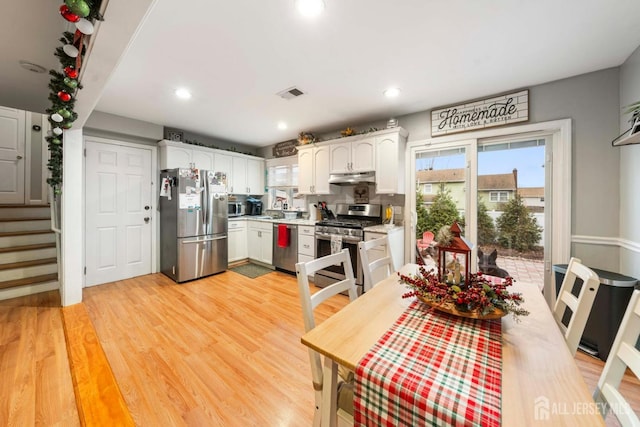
<point>541,383</point>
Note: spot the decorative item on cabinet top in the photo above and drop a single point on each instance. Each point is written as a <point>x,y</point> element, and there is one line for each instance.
<point>631,135</point>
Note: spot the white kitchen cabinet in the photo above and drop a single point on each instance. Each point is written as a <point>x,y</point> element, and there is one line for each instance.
<point>239,175</point>
<point>223,162</point>
<point>306,243</point>
<point>260,241</point>
<point>390,161</point>
<point>354,156</point>
<point>313,170</point>
<point>179,155</point>
<point>245,175</point>
<point>255,176</point>
<point>237,238</point>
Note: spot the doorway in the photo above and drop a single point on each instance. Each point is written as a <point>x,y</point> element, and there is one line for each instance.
<point>466,179</point>
<point>12,155</point>
<point>118,211</point>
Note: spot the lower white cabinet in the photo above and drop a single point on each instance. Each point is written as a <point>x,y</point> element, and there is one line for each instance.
<point>237,237</point>
<point>396,241</point>
<point>260,241</point>
<point>306,243</point>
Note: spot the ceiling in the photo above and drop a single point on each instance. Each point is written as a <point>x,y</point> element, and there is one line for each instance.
<point>235,56</point>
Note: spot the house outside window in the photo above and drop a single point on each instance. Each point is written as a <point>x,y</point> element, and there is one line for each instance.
<point>499,196</point>
<point>427,188</point>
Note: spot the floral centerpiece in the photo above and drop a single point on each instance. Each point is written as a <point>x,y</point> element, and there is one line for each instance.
<point>478,298</point>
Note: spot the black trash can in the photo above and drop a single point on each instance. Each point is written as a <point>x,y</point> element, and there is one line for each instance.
<point>608,309</point>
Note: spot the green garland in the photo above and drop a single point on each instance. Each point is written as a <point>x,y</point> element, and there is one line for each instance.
<point>64,85</point>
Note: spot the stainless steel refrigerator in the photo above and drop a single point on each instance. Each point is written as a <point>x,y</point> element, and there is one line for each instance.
<point>193,223</point>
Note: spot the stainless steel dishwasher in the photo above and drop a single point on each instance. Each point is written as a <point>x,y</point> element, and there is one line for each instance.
<point>285,247</point>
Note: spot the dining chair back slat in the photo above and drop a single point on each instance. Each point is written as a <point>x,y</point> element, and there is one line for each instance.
<point>579,306</point>
<point>623,355</point>
<point>370,268</point>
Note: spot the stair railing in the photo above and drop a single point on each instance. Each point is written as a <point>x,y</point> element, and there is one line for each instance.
<point>56,220</point>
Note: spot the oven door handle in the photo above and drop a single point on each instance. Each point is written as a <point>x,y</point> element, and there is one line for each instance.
<point>346,239</point>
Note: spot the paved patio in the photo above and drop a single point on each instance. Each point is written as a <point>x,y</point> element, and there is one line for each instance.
<point>521,269</point>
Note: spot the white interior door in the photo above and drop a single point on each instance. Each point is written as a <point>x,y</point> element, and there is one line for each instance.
<point>118,212</point>
<point>12,156</point>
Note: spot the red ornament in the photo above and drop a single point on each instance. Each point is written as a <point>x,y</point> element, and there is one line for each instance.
<point>71,72</point>
<point>64,96</point>
<point>67,14</point>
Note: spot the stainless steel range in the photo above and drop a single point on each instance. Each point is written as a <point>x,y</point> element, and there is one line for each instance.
<point>345,231</point>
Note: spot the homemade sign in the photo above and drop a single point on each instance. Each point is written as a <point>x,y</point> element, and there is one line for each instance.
<point>495,111</point>
<point>285,149</point>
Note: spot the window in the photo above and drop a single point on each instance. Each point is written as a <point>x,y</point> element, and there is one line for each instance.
<point>427,189</point>
<point>499,196</point>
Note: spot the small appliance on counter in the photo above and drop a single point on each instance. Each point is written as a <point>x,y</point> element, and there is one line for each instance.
<point>235,209</point>
<point>254,207</point>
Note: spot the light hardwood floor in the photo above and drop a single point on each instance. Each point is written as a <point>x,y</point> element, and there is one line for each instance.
<point>35,381</point>
<point>224,350</point>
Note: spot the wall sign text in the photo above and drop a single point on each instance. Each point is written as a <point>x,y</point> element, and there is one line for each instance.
<point>496,111</point>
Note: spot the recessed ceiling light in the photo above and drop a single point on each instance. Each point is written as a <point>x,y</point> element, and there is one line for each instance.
<point>310,8</point>
<point>32,67</point>
<point>282,125</point>
<point>183,93</point>
<point>392,92</point>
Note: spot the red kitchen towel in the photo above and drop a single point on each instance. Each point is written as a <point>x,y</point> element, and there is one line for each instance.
<point>283,236</point>
<point>431,368</point>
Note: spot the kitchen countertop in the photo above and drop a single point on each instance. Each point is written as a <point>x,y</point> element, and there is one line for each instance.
<point>297,221</point>
<point>383,228</point>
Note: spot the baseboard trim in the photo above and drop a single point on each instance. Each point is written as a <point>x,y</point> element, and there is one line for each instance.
<point>24,290</point>
<point>607,241</point>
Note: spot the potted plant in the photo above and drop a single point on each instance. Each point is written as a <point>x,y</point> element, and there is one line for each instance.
<point>634,109</point>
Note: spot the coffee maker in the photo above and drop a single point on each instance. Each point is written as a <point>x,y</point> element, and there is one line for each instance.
<point>254,206</point>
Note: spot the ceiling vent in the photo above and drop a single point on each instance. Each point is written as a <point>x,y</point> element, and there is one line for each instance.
<point>292,92</point>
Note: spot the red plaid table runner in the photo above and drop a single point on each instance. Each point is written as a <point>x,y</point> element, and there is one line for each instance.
<point>431,368</point>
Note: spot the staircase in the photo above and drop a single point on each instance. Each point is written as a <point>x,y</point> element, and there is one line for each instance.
<point>28,261</point>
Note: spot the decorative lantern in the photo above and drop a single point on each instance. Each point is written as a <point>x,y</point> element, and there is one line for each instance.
<point>454,258</point>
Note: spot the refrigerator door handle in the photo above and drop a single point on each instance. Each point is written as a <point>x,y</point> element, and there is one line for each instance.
<point>207,239</point>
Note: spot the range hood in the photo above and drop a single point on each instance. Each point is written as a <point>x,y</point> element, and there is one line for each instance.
<point>352,178</point>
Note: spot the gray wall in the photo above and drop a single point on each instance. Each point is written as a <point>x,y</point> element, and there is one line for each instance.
<point>107,125</point>
<point>36,157</point>
<point>629,172</point>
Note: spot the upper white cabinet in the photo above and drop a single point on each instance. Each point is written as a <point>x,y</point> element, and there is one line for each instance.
<point>355,156</point>
<point>178,155</point>
<point>313,165</point>
<point>223,162</point>
<point>245,174</point>
<point>390,162</point>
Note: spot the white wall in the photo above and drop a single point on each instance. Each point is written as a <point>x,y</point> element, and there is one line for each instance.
<point>629,172</point>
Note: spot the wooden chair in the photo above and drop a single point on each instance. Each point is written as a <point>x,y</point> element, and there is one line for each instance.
<point>579,306</point>
<point>309,303</point>
<point>623,354</point>
<point>379,251</point>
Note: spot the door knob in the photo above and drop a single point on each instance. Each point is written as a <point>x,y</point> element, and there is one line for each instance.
<point>19,157</point>
<point>146,220</point>
<point>146,208</point>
